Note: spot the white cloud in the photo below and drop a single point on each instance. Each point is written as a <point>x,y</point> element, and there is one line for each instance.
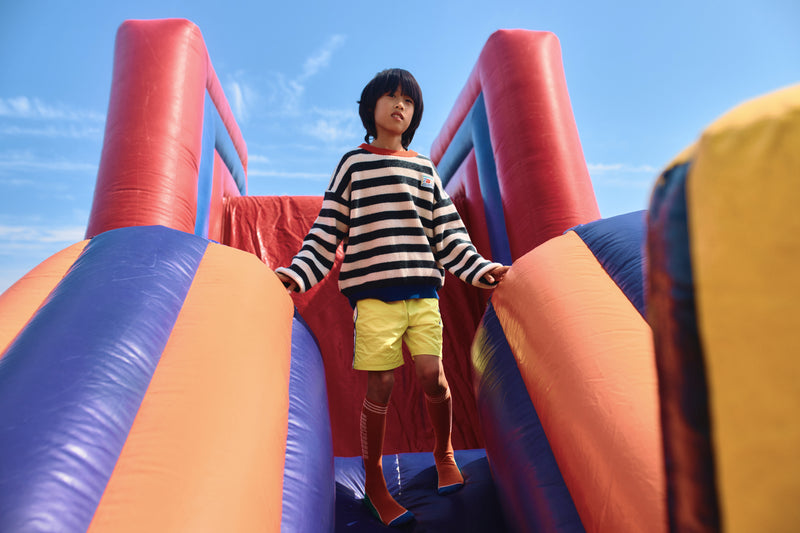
<point>285,93</point>
<point>33,108</point>
<point>30,117</point>
<point>334,126</point>
<point>287,175</point>
<point>23,247</point>
<point>241,97</point>
<point>257,158</point>
<point>16,181</point>
<point>327,131</point>
<point>26,161</point>
<point>32,235</point>
<point>602,168</point>
<point>623,175</point>
<point>68,132</point>
<point>236,99</point>
<point>322,57</point>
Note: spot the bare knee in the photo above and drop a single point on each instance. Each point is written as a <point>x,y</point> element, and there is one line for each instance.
<point>430,374</point>
<point>380,385</point>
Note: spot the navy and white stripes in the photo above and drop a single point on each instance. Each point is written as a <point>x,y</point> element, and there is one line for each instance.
<point>398,224</point>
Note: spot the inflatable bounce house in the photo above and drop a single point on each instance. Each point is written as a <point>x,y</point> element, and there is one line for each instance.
<point>636,373</point>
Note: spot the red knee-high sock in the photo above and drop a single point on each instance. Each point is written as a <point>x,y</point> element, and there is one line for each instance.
<point>440,409</point>
<point>373,427</point>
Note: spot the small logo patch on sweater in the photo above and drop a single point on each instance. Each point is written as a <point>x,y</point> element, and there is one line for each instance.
<point>427,182</point>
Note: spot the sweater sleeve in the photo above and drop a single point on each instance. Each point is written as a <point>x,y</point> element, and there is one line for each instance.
<point>318,252</point>
<point>452,244</point>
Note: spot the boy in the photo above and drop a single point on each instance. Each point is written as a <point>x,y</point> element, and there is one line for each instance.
<point>400,231</point>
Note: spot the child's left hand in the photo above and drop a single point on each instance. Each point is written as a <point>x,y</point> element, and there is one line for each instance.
<point>496,276</point>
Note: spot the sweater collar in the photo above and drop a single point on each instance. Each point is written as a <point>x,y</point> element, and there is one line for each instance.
<point>384,151</point>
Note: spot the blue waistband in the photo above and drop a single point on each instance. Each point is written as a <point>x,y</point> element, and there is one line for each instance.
<point>395,294</point>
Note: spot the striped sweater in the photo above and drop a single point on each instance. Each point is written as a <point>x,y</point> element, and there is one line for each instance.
<point>400,229</point>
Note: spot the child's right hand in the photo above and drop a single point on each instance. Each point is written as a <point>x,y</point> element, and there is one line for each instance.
<point>288,282</point>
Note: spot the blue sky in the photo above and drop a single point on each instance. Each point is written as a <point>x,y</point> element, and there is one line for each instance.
<point>644,78</point>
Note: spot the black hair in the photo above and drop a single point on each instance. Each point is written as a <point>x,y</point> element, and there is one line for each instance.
<point>384,82</point>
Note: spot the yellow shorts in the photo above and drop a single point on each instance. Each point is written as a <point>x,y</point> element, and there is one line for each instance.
<point>382,327</point>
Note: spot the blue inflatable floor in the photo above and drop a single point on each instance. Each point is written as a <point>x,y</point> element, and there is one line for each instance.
<point>411,478</point>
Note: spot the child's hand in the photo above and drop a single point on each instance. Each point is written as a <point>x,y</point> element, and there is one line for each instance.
<point>288,282</point>
<point>496,276</point>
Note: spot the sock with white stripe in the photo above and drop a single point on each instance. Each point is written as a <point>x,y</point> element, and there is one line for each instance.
<point>378,499</point>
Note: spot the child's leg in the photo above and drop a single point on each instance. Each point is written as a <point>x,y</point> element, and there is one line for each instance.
<point>430,373</point>
<point>373,428</point>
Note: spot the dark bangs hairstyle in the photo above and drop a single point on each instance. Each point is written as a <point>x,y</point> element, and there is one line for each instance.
<point>384,82</point>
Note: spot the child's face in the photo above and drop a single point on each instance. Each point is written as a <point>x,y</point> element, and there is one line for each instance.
<point>393,113</point>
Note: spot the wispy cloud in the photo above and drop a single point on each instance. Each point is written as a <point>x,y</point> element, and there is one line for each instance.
<point>333,126</point>
<point>31,117</point>
<point>604,168</point>
<point>321,58</point>
<point>33,235</point>
<point>286,93</point>
<point>242,97</point>
<point>287,175</point>
<point>236,100</point>
<point>26,161</point>
<point>23,247</point>
<point>257,158</point>
<point>33,108</point>
<point>622,175</point>
<point>51,131</point>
